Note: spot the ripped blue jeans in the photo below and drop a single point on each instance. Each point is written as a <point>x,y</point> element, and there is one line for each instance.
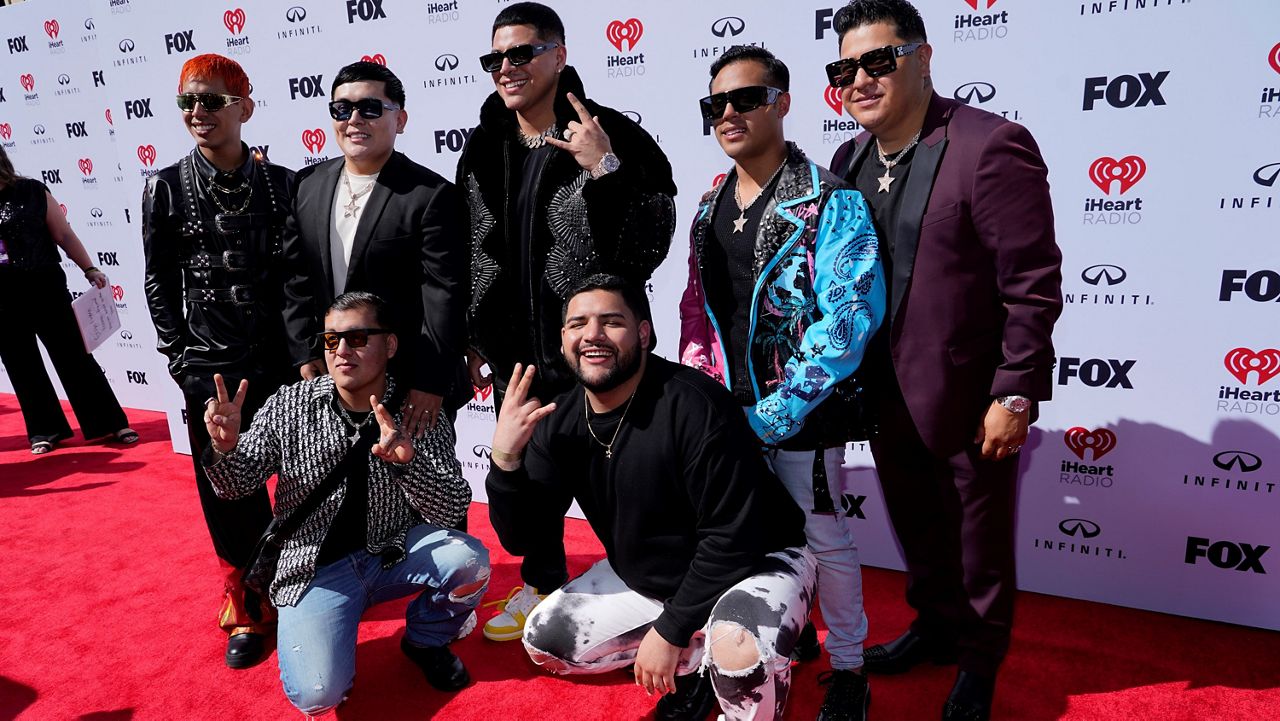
<point>317,637</point>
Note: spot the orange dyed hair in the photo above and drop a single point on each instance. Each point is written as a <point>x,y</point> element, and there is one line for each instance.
<point>215,67</point>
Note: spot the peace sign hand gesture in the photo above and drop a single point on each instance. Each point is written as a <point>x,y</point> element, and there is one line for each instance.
<point>520,414</point>
<point>222,416</point>
<point>394,445</point>
<point>586,141</point>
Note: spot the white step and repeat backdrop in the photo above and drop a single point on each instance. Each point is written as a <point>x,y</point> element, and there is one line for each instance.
<point>1150,480</point>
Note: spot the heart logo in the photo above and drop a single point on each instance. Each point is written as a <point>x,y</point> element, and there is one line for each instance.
<point>1128,170</point>
<point>64,209</point>
<point>313,140</point>
<point>1240,362</point>
<point>51,28</point>
<point>716,181</point>
<point>117,292</point>
<point>1274,58</point>
<point>6,131</point>
<point>28,81</point>
<point>1080,440</point>
<point>628,33</point>
<point>482,394</point>
<point>974,3</point>
<point>109,120</point>
<point>147,154</point>
<point>832,96</point>
<point>379,59</point>
<point>234,20</point>
<point>86,166</point>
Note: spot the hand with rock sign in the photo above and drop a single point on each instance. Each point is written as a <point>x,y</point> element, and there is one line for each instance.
<point>394,445</point>
<point>222,415</point>
<point>584,139</point>
<point>520,414</point>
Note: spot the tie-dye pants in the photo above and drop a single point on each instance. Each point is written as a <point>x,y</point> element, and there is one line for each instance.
<point>595,623</point>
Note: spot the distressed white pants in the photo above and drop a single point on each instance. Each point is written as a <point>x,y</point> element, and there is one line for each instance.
<point>595,623</point>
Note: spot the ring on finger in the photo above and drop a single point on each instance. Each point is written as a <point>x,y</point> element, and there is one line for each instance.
<point>568,135</point>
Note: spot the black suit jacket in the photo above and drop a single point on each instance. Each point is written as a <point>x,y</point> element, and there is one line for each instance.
<point>409,249</point>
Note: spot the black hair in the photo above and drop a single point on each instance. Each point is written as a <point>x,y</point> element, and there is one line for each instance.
<point>7,174</point>
<point>633,295</point>
<point>775,70</point>
<point>365,70</point>
<point>356,300</point>
<point>543,19</point>
<point>902,14</point>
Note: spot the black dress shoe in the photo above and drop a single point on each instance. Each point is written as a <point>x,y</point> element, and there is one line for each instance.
<point>442,669</point>
<point>906,652</point>
<point>807,647</point>
<point>245,650</point>
<point>848,696</point>
<point>692,700</point>
<point>970,698</point>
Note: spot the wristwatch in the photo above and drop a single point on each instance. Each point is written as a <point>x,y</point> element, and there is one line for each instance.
<point>1015,404</point>
<point>608,163</point>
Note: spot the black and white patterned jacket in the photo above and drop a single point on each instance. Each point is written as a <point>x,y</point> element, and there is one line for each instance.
<point>301,433</point>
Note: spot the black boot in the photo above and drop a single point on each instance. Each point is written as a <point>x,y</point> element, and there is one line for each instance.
<point>848,696</point>
<point>245,650</point>
<point>970,698</point>
<point>442,669</point>
<point>692,700</point>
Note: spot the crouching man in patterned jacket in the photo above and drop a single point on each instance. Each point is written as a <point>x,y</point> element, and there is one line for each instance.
<point>385,531</point>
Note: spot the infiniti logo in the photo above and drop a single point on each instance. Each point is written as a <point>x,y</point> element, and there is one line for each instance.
<point>295,14</point>
<point>38,129</point>
<point>1267,174</point>
<point>1105,274</point>
<point>64,79</point>
<point>126,46</point>
<point>447,61</point>
<point>126,335</point>
<point>730,25</point>
<point>1079,527</point>
<point>1243,460</point>
<point>969,92</point>
<point>633,115</point>
<point>96,212</point>
<point>88,23</point>
<point>481,451</point>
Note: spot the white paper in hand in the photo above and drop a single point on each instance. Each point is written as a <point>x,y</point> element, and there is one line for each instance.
<point>96,315</point>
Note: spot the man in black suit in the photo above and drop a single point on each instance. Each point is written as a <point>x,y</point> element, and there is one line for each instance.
<point>375,221</point>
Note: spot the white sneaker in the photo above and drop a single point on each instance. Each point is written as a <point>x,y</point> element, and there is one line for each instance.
<point>508,625</point>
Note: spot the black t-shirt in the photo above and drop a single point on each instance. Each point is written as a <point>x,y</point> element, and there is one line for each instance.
<point>729,279</point>
<point>685,508</point>
<point>349,531</point>
<point>24,235</point>
<point>885,206</point>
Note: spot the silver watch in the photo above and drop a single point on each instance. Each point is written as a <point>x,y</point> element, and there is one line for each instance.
<point>1015,404</point>
<point>608,163</point>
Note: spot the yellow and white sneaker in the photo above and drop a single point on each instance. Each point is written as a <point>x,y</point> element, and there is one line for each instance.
<point>508,625</point>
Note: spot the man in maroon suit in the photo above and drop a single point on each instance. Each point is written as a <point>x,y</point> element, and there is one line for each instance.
<point>961,204</point>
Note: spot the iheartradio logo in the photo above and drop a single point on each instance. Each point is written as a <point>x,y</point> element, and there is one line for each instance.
<point>51,29</point>
<point>619,33</point>
<point>482,394</point>
<point>976,3</point>
<point>832,97</point>
<point>1128,171</point>
<point>86,166</point>
<point>63,208</point>
<point>716,181</point>
<point>109,120</point>
<point>1080,440</point>
<point>1274,58</point>
<point>117,292</point>
<point>313,140</point>
<point>147,154</point>
<point>379,58</point>
<point>6,131</point>
<point>28,81</point>
<point>1240,362</point>
<point>234,20</point>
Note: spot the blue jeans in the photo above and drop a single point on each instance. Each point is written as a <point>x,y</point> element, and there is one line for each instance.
<point>317,637</point>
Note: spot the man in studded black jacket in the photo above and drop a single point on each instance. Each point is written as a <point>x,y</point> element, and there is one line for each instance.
<point>558,188</point>
<point>211,229</point>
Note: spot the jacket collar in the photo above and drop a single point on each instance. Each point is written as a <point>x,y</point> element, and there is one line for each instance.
<point>208,172</point>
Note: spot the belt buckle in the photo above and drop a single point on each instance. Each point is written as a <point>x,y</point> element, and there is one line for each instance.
<point>235,259</point>
<point>242,294</point>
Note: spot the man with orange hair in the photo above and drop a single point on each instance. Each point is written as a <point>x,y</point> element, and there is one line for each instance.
<point>212,225</point>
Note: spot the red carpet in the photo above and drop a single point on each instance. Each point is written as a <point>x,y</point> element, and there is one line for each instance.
<point>109,591</point>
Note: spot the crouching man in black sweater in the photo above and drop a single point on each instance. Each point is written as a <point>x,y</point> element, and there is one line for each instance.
<point>706,565</point>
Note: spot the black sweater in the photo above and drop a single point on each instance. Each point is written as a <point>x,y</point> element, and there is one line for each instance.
<point>686,508</point>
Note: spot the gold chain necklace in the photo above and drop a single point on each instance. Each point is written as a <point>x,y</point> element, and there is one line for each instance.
<point>586,414</point>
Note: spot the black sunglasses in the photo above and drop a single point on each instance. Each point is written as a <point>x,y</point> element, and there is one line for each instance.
<point>369,108</point>
<point>744,100</point>
<point>518,55</point>
<point>213,102</point>
<point>355,338</point>
<point>878,62</point>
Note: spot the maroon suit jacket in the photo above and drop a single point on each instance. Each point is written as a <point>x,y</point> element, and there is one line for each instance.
<point>976,283</point>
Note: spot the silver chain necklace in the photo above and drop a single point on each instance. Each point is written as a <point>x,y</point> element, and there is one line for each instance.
<point>350,208</point>
<point>886,180</point>
<point>741,222</point>
<point>533,142</point>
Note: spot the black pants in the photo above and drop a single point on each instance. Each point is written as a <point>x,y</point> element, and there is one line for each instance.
<point>545,569</point>
<point>954,517</point>
<point>235,526</point>
<point>34,303</point>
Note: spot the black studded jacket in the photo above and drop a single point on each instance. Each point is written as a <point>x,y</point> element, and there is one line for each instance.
<point>214,266</point>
